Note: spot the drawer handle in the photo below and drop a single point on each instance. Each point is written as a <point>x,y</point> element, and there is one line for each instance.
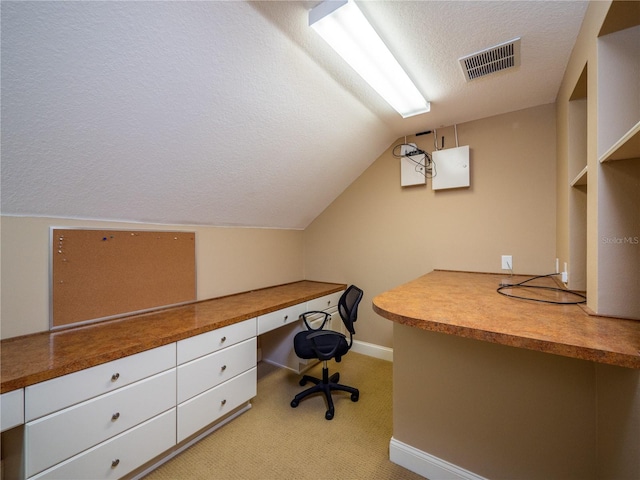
<point>286,317</point>
<point>223,402</point>
<point>115,416</point>
<point>115,463</point>
<point>223,339</point>
<point>115,377</point>
<point>223,368</point>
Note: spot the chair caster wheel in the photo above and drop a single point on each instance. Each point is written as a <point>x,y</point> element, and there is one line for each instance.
<point>329,414</point>
<point>355,397</point>
<point>294,403</point>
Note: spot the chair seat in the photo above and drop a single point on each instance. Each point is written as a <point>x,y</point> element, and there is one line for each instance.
<point>304,348</point>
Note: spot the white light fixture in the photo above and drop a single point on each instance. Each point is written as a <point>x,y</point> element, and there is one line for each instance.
<point>343,26</point>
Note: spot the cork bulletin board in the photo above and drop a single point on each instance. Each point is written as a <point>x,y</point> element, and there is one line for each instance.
<point>101,274</point>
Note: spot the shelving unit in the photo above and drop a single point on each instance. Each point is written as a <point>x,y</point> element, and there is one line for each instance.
<point>578,168</point>
<point>617,183</point>
<point>599,229</point>
<point>619,95</point>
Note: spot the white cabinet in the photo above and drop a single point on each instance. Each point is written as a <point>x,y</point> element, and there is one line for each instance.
<point>280,318</point>
<point>214,340</point>
<point>206,372</point>
<point>61,435</point>
<point>209,406</point>
<point>121,454</point>
<point>107,421</point>
<point>11,409</point>
<point>220,376</point>
<point>324,303</point>
<point>72,415</point>
<point>46,397</point>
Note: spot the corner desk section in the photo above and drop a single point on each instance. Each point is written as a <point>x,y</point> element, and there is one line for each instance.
<point>124,394</point>
<point>467,305</point>
<point>487,386</point>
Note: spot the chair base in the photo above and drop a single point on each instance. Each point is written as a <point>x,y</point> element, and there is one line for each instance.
<point>325,386</point>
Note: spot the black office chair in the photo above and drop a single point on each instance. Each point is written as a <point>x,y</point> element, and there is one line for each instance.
<point>325,345</point>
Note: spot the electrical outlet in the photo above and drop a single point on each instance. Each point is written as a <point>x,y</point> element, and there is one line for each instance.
<point>507,262</point>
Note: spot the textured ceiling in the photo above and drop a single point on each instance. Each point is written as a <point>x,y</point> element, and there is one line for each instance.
<point>236,113</point>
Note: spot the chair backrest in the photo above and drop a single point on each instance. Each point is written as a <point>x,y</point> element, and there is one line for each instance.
<point>348,307</point>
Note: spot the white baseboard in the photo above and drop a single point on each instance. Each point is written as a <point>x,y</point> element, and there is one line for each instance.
<point>372,350</point>
<point>425,464</point>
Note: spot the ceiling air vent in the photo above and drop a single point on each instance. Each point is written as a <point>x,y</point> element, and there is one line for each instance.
<point>491,60</point>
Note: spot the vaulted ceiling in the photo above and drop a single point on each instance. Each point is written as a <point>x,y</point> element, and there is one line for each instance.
<point>237,113</point>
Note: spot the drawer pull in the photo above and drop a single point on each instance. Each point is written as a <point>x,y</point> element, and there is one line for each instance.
<point>223,402</point>
<point>115,377</point>
<point>286,317</point>
<point>115,416</point>
<point>115,463</point>
<point>223,339</point>
<point>223,368</point>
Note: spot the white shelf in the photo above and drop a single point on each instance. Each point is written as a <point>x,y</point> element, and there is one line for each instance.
<point>618,94</point>
<point>581,178</point>
<point>625,148</point>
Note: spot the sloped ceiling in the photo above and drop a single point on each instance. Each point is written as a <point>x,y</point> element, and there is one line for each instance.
<point>236,113</point>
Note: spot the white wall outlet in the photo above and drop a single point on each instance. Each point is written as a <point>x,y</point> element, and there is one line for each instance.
<point>507,262</point>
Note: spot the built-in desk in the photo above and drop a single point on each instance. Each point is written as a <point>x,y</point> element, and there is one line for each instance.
<point>564,403</point>
<point>467,305</point>
<point>141,388</point>
<point>42,356</point>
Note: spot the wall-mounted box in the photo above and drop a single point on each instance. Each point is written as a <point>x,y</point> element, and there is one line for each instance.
<point>451,168</point>
<point>412,167</point>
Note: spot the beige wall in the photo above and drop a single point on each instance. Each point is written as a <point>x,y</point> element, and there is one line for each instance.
<point>500,412</point>
<point>228,260</point>
<point>378,234</point>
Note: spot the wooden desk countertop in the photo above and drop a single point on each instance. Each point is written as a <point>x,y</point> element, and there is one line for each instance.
<point>42,356</point>
<point>467,305</point>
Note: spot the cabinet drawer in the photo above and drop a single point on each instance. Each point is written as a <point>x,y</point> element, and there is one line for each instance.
<point>323,303</point>
<point>63,434</point>
<point>203,344</point>
<point>58,393</point>
<point>206,372</point>
<point>200,411</point>
<point>277,319</point>
<point>11,409</point>
<point>120,455</point>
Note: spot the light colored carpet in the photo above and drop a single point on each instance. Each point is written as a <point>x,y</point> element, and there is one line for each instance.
<point>275,441</point>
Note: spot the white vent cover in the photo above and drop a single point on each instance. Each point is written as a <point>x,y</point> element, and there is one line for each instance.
<point>491,60</point>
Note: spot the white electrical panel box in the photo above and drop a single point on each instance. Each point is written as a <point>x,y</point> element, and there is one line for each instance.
<point>451,168</point>
<point>412,167</point>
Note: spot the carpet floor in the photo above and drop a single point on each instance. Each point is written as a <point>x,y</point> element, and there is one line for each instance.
<point>274,441</point>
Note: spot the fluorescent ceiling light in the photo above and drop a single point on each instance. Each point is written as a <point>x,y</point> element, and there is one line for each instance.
<point>343,26</point>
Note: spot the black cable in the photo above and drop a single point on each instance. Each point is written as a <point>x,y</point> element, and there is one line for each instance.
<point>429,166</point>
<point>541,287</point>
